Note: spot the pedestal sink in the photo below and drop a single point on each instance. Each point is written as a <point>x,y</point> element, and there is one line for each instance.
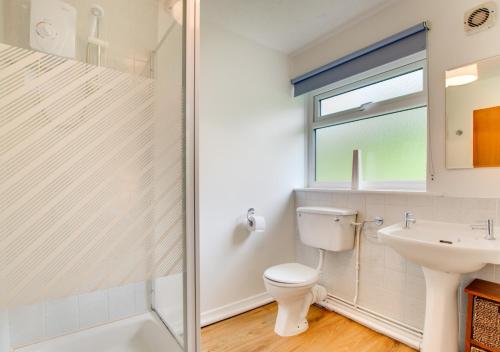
<point>445,251</point>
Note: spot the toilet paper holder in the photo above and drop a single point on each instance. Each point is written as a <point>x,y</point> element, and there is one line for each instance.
<point>250,217</point>
<point>255,223</point>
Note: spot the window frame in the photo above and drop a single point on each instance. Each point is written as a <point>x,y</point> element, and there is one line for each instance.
<point>412,101</point>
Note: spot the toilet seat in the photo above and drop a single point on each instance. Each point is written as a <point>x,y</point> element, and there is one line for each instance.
<point>292,275</point>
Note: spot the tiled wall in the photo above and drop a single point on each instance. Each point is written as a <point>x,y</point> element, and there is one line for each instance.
<point>38,322</point>
<point>389,284</point>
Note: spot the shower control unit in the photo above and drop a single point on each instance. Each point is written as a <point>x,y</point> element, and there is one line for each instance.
<point>53,27</point>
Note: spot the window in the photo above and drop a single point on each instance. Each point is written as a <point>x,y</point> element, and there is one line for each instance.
<point>384,117</point>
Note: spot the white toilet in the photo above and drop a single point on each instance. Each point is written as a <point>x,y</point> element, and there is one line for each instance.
<point>293,285</point>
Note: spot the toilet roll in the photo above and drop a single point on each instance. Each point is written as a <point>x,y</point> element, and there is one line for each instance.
<point>258,224</point>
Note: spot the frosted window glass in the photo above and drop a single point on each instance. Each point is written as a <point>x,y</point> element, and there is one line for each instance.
<point>392,88</point>
<point>393,147</point>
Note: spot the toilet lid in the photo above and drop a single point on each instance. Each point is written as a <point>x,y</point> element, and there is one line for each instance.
<point>292,273</point>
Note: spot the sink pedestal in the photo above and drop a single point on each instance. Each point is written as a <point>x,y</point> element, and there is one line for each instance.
<point>441,311</point>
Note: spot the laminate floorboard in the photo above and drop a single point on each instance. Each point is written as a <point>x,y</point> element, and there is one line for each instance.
<point>254,332</point>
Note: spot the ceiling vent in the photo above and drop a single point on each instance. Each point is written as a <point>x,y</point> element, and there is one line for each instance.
<point>480,18</point>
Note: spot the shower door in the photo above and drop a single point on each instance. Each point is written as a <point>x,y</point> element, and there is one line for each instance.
<point>96,167</point>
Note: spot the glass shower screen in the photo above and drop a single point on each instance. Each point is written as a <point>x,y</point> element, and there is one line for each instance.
<point>92,150</point>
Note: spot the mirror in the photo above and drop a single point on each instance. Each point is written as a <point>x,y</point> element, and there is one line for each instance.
<point>473,115</point>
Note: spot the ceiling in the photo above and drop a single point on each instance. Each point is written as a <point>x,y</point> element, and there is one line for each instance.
<point>287,25</point>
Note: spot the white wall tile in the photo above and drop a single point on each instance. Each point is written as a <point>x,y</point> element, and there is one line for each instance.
<point>447,203</point>
<point>414,269</point>
<point>339,200</point>
<point>372,276</point>
<point>372,253</point>
<point>93,309</point>
<point>26,324</point>
<point>400,200</point>
<point>394,261</point>
<point>373,209</point>
<point>375,199</point>
<point>382,301</point>
<point>475,215</point>
<point>393,304</point>
<point>318,198</point>
<point>300,198</point>
<point>449,209</point>
<point>121,302</point>
<point>414,311</point>
<point>462,299</point>
<point>421,201</point>
<point>341,282</point>
<point>479,204</point>
<point>498,211</point>
<point>487,273</point>
<point>497,273</point>
<point>369,296</point>
<point>61,316</point>
<point>305,254</point>
<point>422,212</point>
<point>142,297</point>
<point>394,280</point>
<point>357,202</point>
<point>414,287</point>
<point>394,213</point>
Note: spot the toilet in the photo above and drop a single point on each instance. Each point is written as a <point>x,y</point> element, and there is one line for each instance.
<point>293,285</point>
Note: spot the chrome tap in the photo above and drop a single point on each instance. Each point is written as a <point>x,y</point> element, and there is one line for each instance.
<point>487,225</point>
<point>408,219</point>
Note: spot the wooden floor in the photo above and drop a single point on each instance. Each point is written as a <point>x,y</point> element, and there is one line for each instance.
<point>253,332</point>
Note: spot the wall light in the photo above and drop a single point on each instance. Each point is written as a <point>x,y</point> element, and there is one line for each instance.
<point>461,76</point>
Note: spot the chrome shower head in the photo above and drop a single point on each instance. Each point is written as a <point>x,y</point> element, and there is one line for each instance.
<point>96,10</point>
<point>96,13</point>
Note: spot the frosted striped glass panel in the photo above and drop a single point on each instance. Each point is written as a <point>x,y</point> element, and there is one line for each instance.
<point>91,178</point>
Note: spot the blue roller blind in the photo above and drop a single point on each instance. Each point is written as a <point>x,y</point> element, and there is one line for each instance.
<point>395,47</point>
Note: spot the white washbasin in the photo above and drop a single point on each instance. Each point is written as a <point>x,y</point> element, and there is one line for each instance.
<point>448,247</point>
<point>445,251</point>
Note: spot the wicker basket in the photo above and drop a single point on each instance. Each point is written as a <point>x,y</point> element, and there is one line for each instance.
<point>486,323</point>
<point>475,349</point>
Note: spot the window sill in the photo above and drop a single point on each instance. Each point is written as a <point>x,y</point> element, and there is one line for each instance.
<point>368,191</point>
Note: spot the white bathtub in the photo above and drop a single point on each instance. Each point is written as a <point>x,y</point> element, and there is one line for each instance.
<point>144,333</point>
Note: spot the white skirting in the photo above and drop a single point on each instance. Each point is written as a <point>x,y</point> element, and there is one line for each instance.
<point>235,308</point>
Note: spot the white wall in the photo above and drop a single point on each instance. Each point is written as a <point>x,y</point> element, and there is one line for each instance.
<point>4,332</point>
<point>449,47</point>
<point>251,155</point>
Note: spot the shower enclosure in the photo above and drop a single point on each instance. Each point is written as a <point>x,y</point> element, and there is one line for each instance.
<point>97,235</point>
